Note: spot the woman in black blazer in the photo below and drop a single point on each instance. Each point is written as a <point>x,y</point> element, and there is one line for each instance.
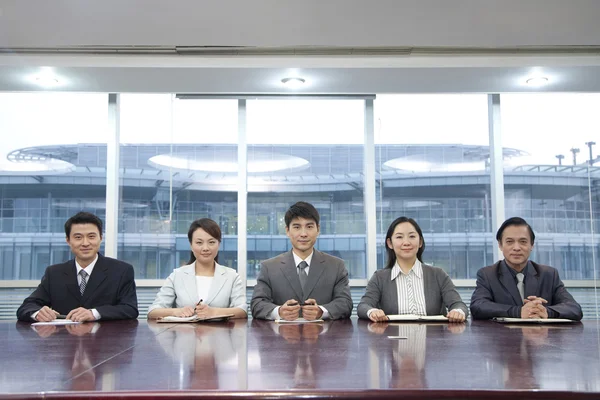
<point>425,290</point>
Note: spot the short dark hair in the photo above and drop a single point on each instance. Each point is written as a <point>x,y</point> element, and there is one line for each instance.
<point>514,221</point>
<point>207,225</point>
<point>83,218</point>
<point>391,254</point>
<point>301,209</point>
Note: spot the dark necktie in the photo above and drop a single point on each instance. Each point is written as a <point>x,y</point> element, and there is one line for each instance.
<point>302,273</point>
<point>83,283</point>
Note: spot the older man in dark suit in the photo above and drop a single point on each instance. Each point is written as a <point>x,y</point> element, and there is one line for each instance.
<point>517,287</point>
<point>303,279</point>
<point>91,287</point>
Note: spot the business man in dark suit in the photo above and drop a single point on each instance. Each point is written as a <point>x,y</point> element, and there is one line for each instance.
<point>303,279</point>
<point>91,287</point>
<point>518,287</point>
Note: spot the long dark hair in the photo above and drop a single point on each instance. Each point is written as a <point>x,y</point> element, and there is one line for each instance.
<point>391,254</point>
<point>207,225</point>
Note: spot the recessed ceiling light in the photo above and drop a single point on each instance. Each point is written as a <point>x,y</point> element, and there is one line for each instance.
<point>46,78</point>
<point>537,81</point>
<point>293,82</point>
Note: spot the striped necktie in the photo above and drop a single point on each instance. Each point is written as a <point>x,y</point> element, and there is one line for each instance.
<point>83,283</point>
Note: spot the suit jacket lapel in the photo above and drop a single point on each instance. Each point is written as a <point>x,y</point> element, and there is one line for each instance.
<point>291,273</point>
<point>218,281</point>
<point>98,276</point>
<point>506,279</point>
<point>189,282</point>
<point>315,271</point>
<point>71,280</point>
<point>531,281</point>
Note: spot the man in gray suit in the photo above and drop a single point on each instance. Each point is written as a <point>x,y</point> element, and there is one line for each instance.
<point>303,279</point>
<point>517,287</point>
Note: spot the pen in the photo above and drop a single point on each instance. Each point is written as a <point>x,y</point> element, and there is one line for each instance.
<point>199,303</point>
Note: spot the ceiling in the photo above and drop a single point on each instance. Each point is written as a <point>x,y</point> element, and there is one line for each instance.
<point>338,46</point>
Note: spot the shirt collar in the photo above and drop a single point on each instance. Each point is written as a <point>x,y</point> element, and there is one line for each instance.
<point>298,260</point>
<point>417,269</point>
<point>89,268</point>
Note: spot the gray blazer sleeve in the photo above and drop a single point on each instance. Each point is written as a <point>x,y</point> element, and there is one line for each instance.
<point>450,297</point>
<point>165,298</point>
<point>238,294</point>
<point>341,304</point>
<point>372,297</point>
<point>262,298</point>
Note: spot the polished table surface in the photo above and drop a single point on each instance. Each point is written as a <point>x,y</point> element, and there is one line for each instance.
<point>344,359</point>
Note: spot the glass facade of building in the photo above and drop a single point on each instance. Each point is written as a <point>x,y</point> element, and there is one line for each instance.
<point>178,162</point>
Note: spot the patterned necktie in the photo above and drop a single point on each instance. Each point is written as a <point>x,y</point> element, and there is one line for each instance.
<point>83,283</point>
<point>302,273</point>
<point>520,285</point>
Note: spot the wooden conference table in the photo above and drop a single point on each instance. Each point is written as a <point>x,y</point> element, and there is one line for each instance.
<point>338,359</point>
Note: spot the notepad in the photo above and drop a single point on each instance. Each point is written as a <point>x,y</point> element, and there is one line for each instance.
<point>532,320</point>
<point>299,321</point>
<point>414,317</point>
<point>56,322</point>
<point>195,318</point>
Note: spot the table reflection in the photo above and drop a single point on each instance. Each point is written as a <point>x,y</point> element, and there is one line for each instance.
<point>206,354</point>
<point>74,356</point>
<point>302,356</point>
<point>399,351</point>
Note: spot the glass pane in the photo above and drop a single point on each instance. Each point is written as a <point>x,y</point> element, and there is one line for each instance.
<point>548,178</point>
<point>306,150</point>
<point>178,164</point>
<point>52,165</point>
<point>432,164</point>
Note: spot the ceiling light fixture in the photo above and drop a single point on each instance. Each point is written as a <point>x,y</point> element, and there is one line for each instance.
<point>537,81</point>
<point>293,83</point>
<point>45,78</point>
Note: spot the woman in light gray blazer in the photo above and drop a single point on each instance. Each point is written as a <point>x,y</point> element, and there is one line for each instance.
<point>203,287</point>
<point>406,285</point>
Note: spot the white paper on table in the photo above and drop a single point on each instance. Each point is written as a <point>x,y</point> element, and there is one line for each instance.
<point>413,317</point>
<point>298,321</point>
<point>57,322</point>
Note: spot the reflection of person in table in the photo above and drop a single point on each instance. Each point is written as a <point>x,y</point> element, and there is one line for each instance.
<point>407,285</point>
<point>304,356</point>
<point>203,349</point>
<point>203,287</point>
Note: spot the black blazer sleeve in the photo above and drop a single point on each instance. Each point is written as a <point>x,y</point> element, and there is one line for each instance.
<point>126,306</point>
<point>483,305</point>
<point>36,300</point>
<point>562,301</point>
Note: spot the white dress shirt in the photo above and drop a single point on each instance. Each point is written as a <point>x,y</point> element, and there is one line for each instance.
<point>203,284</point>
<point>297,260</point>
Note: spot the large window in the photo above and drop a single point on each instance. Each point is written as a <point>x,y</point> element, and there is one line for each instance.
<point>550,180</point>
<point>306,150</point>
<point>432,164</point>
<point>178,164</point>
<point>52,165</point>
